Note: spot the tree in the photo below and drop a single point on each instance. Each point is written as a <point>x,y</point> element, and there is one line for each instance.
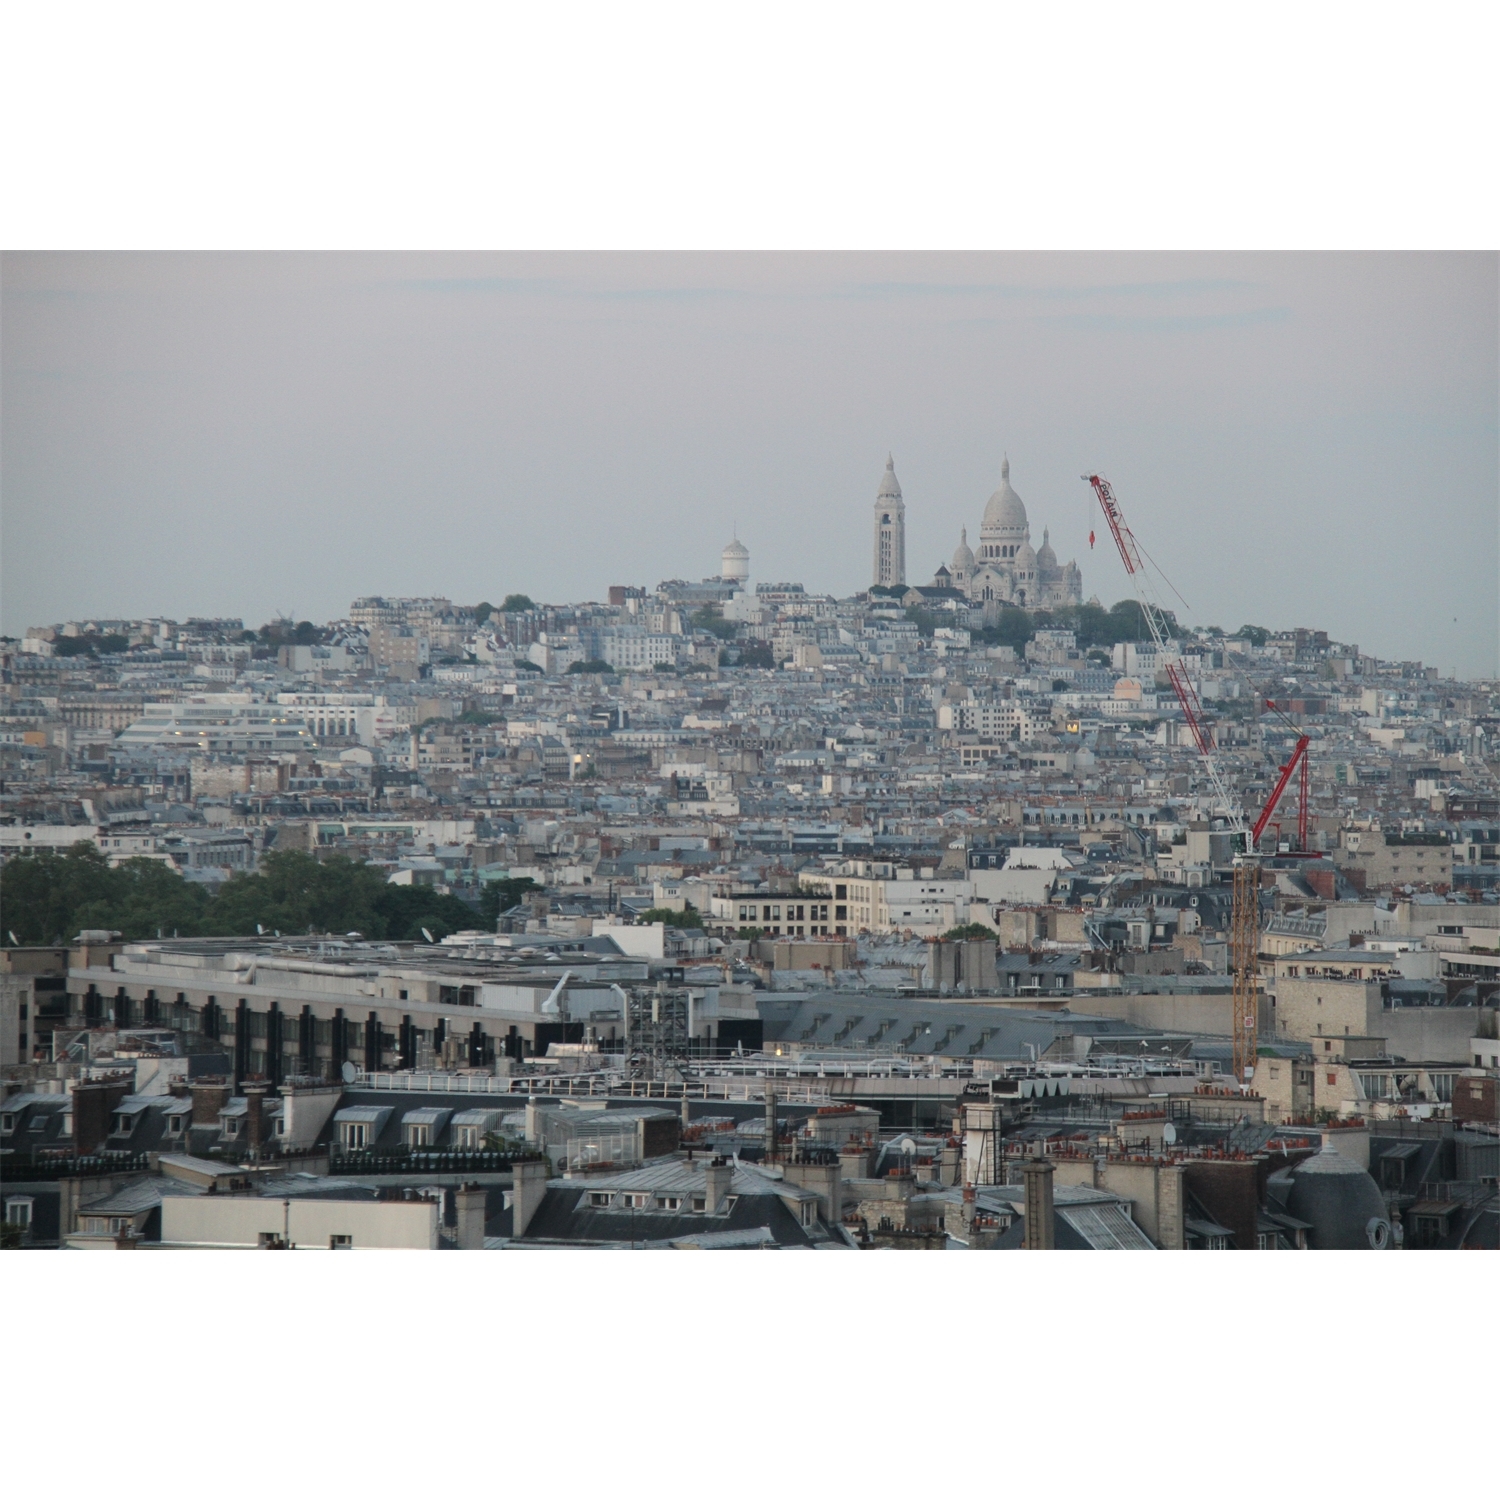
<point>90,645</point>
<point>687,917</point>
<point>593,664</point>
<point>757,654</point>
<point>1257,635</point>
<point>504,895</point>
<point>969,932</point>
<point>712,620</point>
<point>516,604</point>
<point>483,611</point>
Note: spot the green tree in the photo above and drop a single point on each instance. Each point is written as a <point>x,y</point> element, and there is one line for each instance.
<point>687,917</point>
<point>483,611</point>
<point>593,665</point>
<point>504,895</point>
<point>42,893</point>
<point>712,620</point>
<point>517,604</point>
<point>969,932</point>
<point>1257,635</point>
<point>757,654</point>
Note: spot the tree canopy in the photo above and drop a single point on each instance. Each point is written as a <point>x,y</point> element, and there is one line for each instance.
<point>517,604</point>
<point>50,897</point>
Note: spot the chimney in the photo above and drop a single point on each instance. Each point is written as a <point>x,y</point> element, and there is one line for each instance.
<point>1171,1208</point>
<point>1041,1220</point>
<point>856,1160</point>
<point>948,1165</point>
<point>255,1117</point>
<point>530,1185</point>
<point>770,1124</point>
<point>716,1178</point>
<point>210,1095</point>
<point>93,1104</point>
<point>470,1203</point>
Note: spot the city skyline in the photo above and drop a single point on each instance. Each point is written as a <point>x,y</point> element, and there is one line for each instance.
<point>1278,425</point>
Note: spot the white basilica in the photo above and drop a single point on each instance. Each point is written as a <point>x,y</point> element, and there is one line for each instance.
<point>1006,569</point>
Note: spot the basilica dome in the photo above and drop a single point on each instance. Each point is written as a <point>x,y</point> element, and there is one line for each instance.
<point>1046,557</point>
<point>1005,515</point>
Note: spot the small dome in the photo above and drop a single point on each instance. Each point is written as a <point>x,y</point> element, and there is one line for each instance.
<point>1026,558</point>
<point>1005,515</point>
<point>1340,1201</point>
<point>734,561</point>
<point>889,489</point>
<point>963,557</point>
<point>1046,557</point>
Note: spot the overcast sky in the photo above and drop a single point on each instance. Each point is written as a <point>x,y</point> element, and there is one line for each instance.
<point>1296,439</point>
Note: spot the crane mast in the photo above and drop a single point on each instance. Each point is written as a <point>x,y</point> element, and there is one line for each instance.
<point>1244,926</point>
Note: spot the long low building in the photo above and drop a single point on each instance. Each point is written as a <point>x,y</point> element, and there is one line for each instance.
<point>281,1009</point>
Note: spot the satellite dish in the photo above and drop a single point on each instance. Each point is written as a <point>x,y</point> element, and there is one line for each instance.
<point>350,1072</point>
<point>14,940</point>
<point>1169,1134</point>
<point>427,935</point>
<point>259,930</point>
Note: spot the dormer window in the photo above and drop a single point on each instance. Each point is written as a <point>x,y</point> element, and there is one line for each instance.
<point>674,1205</point>
<point>599,1200</point>
<point>231,1128</point>
<point>174,1124</point>
<point>123,1124</point>
<point>352,1134</point>
<point>7,1124</point>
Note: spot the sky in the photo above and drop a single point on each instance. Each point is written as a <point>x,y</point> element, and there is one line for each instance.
<point>1296,439</point>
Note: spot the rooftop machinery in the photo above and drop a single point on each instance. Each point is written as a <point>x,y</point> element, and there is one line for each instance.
<point>1244,927</point>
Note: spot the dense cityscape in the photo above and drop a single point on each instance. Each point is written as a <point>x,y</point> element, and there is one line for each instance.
<point>730,914</point>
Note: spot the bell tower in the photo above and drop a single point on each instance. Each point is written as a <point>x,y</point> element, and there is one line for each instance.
<point>890,529</point>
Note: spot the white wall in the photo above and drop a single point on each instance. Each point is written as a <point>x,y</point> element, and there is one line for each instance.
<point>237,1222</point>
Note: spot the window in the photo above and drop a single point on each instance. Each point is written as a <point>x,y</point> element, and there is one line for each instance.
<point>599,1200</point>
<point>18,1212</point>
<point>419,1135</point>
<point>231,1127</point>
<point>352,1133</point>
<point>700,1203</point>
<point>635,1200</point>
<point>174,1124</point>
<point>124,1124</point>
<point>7,1124</point>
<point>669,1203</point>
<point>1333,1078</point>
<point>466,1136</point>
<point>340,1241</point>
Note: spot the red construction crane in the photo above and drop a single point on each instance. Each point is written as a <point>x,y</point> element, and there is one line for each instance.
<point>1297,759</point>
<point>1244,929</point>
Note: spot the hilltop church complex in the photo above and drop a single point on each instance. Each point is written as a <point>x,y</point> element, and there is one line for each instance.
<point>1006,569</point>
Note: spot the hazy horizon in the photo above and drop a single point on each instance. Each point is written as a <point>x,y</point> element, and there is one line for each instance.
<point>1297,439</point>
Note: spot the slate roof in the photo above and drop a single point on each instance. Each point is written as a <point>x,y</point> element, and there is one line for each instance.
<point>760,1201</point>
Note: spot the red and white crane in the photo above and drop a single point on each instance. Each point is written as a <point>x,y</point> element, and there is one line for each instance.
<point>1244,935</point>
<point>1167,653</point>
